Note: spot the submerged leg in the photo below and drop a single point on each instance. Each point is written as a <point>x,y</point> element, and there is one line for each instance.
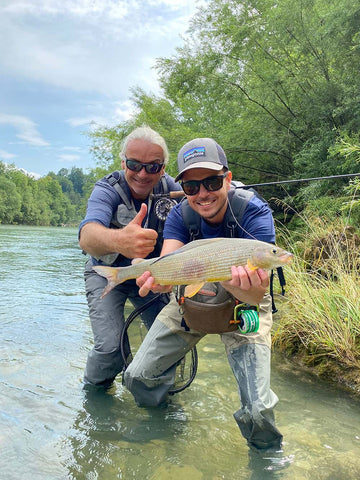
<point>151,374</point>
<point>249,356</point>
<point>105,361</point>
<point>250,364</point>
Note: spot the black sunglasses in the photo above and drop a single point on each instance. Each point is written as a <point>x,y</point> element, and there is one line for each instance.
<point>192,187</point>
<point>136,166</point>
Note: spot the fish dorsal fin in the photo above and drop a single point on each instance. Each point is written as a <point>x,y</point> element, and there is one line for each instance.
<point>190,246</point>
<point>135,261</point>
<point>191,290</point>
<point>198,243</point>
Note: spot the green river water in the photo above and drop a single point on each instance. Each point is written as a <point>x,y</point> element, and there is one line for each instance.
<point>50,430</point>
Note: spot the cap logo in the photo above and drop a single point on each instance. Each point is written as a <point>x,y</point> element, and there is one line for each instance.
<point>193,153</point>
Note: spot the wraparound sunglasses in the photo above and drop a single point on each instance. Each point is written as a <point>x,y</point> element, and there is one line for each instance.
<point>136,166</point>
<point>192,187</point>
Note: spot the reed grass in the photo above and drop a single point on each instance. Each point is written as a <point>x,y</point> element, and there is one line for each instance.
<point>319,324</point>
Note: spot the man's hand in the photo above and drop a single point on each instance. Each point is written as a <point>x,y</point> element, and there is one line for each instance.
<point>146,283</point>
<point>247,285</point>
<point>138,242</point>
<point>132,241</point>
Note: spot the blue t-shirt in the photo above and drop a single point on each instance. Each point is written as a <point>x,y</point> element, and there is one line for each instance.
<point>257,223</point>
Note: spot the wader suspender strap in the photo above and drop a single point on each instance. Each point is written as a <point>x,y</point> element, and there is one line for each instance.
<point>115,182</point>
<point>238,205</point>
<point>164,185</point>
<point>281,276</point>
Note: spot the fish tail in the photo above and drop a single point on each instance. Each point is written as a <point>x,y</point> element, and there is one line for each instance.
<point>112,276</point>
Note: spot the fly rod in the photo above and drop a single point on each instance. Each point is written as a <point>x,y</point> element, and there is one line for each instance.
<point>180,193</point>
<point>299,180</point>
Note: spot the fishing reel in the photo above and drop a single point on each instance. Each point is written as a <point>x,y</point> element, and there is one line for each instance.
<point>163,206</point>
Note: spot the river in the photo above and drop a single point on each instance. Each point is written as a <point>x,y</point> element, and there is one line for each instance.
<point>50,430</point>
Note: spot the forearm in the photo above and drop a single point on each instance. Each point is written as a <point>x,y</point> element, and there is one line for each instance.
<point>98,240</point>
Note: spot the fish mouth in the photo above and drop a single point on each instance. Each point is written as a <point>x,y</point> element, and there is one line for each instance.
<point>286,258</point>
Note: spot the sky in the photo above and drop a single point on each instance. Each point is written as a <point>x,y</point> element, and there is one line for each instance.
<point>67,66</point>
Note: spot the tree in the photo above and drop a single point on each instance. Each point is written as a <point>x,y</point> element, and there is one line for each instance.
<point>273,82</point>
<point>10,200</point>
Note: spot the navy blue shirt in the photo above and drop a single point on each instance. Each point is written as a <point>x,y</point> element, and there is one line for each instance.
<point>257,223</point>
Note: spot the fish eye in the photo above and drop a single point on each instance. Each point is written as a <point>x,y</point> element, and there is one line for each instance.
<point>274,250</point>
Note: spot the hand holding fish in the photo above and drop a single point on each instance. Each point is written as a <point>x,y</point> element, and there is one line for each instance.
<point>247,285</point>
<point>200,261</point>
<point>146,284</point>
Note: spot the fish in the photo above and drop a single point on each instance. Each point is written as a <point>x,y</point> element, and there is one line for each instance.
<point>198,262</point>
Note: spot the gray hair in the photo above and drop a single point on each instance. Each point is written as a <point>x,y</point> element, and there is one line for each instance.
<point>145,133</point>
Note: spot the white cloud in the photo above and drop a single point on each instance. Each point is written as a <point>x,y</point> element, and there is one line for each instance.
<point>6,155</point>
<point>26,128</point>
<point>90,45</point>
<point>68,157</point>
<point>73,149</point>
<point>116,112</point>
<point>86,121</point>
<point>112,8</point>
<point>123,111</point>
<point>74,63</point>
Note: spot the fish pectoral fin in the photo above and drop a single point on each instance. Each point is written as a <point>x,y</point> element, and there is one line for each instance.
<point>251,266</point>
<point>135,261</point>
<point>191,290</point>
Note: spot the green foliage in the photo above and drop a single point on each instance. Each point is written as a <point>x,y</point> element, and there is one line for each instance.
<point>107,144</point>
<point>273,82</point>
<point>10,200</point>
<point>276,84</point>
<point>56,199</point>
<point>319,322</point>
<point>326,207</point>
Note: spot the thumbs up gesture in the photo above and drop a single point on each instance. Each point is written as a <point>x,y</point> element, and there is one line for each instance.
<point>137,242</point>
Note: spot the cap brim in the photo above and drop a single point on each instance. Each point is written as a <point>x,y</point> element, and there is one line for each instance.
<point>208,165</point>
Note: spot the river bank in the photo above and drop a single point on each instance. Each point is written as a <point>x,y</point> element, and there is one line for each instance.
<point>319,325</point>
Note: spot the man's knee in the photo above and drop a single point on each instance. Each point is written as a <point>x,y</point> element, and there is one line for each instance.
<point>148,391</point>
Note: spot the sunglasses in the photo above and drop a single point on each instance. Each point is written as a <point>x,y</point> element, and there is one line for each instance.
<point>212,184</point>
<point>136,166</point>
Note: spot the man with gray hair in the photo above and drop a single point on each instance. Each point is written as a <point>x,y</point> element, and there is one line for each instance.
<point>121,224</point>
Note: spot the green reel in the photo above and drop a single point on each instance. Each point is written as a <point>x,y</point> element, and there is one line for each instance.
<point>247,318</point>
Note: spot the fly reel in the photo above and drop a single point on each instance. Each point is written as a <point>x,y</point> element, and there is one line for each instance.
<point>163,207</point>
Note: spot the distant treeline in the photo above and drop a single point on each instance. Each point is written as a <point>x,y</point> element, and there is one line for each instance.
<point>56,199</point>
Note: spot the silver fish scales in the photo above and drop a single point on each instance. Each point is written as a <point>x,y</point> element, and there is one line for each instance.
<point>200,261</point>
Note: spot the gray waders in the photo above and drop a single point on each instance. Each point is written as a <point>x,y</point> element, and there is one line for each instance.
<point>104,360</point>
<point>151,373</point>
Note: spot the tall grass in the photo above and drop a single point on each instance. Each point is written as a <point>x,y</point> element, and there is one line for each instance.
<point>319,323</point>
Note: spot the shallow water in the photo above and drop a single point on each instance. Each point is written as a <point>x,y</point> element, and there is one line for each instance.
<point>49,429</point>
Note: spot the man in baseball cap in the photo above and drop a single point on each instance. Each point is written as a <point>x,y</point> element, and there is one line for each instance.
<point>211,199</point>
<point>201,153</point>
